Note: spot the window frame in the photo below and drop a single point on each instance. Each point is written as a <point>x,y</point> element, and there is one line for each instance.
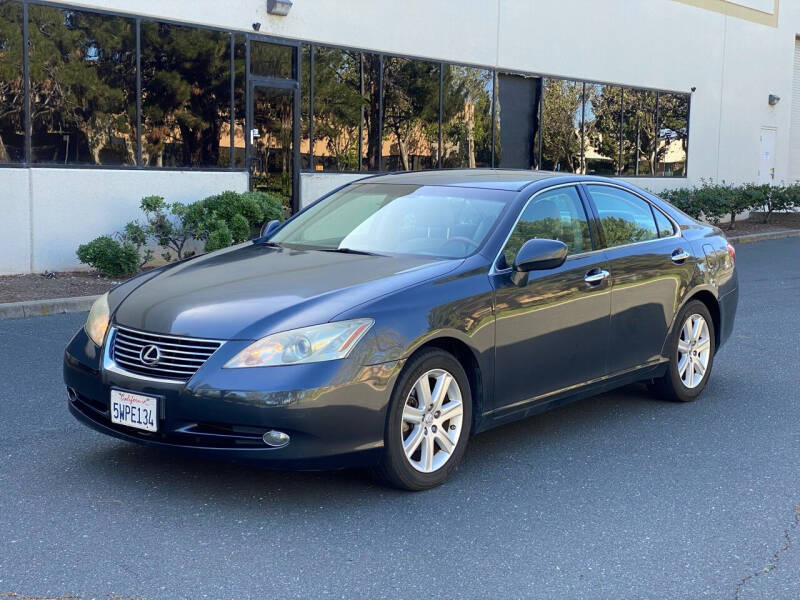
<point>676,230</point>
<point>494,270</point>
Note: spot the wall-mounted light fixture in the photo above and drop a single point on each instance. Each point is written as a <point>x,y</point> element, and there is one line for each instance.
<point>279,7</point>
<point>773,99</point>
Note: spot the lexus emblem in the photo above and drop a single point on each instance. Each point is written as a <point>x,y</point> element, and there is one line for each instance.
<point>150,354</point>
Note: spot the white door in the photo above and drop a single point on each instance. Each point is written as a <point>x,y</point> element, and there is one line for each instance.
<point>766,160</point>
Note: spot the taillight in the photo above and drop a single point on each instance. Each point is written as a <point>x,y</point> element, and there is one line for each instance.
<point>732,252</point>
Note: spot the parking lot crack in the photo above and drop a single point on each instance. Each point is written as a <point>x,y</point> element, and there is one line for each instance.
<point>775,558</point>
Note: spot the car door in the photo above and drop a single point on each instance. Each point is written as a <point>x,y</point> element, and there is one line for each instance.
<point>552,330</point>
<point>650,264</point>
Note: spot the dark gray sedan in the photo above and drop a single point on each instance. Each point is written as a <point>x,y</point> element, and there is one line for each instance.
<point>399,315</point>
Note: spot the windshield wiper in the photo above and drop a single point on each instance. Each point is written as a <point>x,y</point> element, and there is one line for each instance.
<point>349,251</point>
<point>268,243</point>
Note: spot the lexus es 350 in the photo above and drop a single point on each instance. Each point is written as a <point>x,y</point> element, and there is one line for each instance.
<point>396,317</point>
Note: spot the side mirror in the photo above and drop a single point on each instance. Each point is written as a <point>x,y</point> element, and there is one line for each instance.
<point>268,228</point>
<point>537,255</point>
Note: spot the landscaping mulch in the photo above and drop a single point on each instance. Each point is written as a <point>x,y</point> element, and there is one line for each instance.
<point>755,224</point>
<point>18,288</point>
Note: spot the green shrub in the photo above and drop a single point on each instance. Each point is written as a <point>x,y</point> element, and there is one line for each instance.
<point>682,199</point>
<point>780,199</point>
<point>110,257</point>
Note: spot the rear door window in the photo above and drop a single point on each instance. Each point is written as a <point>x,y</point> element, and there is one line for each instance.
<point>624,217</point>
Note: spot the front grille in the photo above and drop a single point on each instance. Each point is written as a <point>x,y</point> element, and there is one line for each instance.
<point>179,357</point>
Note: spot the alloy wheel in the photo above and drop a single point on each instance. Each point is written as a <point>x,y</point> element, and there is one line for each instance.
<point>694,351</point>
<point>432,420</point>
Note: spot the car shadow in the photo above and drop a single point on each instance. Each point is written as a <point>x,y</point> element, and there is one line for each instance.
<point>126,468</point>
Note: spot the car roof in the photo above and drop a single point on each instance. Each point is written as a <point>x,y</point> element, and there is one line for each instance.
<point>495,179</point>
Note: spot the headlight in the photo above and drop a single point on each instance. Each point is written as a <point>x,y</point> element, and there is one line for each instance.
<point>309,344</point>
<point>97,323</point>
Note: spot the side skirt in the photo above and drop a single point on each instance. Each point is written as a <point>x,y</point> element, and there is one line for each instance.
<point>534,406</point>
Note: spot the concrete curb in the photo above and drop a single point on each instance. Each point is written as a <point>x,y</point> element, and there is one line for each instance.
<point>758,237</point>
<point>49,306</point>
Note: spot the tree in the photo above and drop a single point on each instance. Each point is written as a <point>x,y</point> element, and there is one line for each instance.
<point>466,117</point>
<point>337,104</point>
<point>11,85</point>
<point>560,126</point>
<point>82,81</point>
<point>185,92</point>
<point>411,106</point>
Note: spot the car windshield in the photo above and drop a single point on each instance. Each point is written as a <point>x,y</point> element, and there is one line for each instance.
<point>439,221</point>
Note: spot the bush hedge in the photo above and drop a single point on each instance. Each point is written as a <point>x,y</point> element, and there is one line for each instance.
<point>713,201</point>
<point>217,222</point>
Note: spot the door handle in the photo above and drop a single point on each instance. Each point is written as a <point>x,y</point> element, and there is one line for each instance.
<point>680,255</point>
<point>595,276</point>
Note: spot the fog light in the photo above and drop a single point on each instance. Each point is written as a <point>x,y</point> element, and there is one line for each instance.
<point>275,439</point>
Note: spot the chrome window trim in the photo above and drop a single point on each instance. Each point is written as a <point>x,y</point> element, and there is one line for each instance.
<point>111,366</point>
<point>494,270</point>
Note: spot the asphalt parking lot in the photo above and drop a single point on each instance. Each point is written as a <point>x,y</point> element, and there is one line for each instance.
<point>617,496</point>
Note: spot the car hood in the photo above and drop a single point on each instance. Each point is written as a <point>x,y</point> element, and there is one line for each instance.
<point>251,290</point>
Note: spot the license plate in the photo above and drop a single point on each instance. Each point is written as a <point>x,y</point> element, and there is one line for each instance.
<point>134,410</point>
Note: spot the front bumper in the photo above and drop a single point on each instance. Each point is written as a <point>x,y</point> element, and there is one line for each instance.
<point>334,412</point>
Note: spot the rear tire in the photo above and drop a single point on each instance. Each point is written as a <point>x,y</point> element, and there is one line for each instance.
<point>429,422</point>
<point>691,352</point>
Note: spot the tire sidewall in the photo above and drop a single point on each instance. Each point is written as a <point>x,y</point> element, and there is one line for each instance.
<point>684,393</point>
<point>395,462</point>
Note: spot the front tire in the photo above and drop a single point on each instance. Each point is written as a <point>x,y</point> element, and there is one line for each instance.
<point>429,422</point>
<point>691,352</point>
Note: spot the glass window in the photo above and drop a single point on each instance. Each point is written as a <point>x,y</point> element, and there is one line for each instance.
<point>638,132</point>
<point>410,114</point>
<point>370,90</point>
<point>83,87</point>
<point>466,117</point>
<point>624,218</point>
<point>399,219</point>
<point>554,215</point>
<point>601,137</point>
<point>562,111</point>
<point>186,96</point>
<point>305,106</point>
<point>664,225</point>
<point>516,120</point>
<point>272,60</point>
<point>12,138</point>
<point>673,134</point>
<point>337,109</point>
<point>239,101</point>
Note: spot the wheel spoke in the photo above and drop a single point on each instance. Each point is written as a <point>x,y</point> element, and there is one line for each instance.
<point>703,345</point>
<point>411,443</point>
<point>697,326</point>
<point>690,374</point>
<point>451,410</point>
<point>440,390</point>
<point>684,362</point>
<point>444,441</point>
<point>701,370</point>
<point>426,458</point>
<point>683,347</point>
<point>423,388</point>
<point>412,414</point>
